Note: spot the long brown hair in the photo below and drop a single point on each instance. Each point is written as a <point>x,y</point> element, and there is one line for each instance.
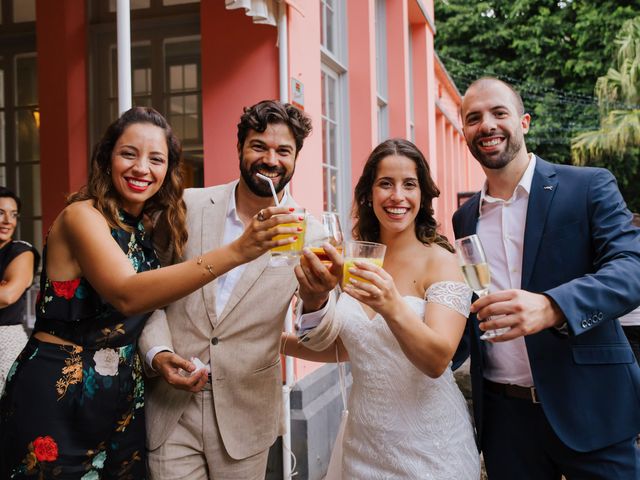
<point>165,207</point>
<point>367,225</point>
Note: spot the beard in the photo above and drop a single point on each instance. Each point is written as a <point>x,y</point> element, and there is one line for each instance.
<point>258,186</point>
<point>499,160</point>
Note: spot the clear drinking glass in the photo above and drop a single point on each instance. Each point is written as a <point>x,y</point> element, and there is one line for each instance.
<point>356,251</point>
<point>332,234</point>
<point>475,269</point>
<point>292,251</point>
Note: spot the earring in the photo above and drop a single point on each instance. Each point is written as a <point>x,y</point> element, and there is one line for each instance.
<point>369,204</point>
<point>108,170</point>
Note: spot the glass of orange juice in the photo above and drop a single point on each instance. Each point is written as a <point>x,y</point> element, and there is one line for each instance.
<point>357,251</point>
<point>292,251</point>
<point>332,234</point>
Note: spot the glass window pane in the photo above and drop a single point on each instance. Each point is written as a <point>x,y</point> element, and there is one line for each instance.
<point>191,127</point>
<point>27,79</point>
<point>28,141</point>
<point>29,188</point>
<point>330,22</point>
<point>176,105</point>
<point>177,123</point>
<point>191,76</point>
<point>175,78</point>
<point>331,98</point>
<point>191,104</point>
<point>1,88</point>
<point>141,83</point>
<point>325,190</point>
<point>24,11</point>
<point>333,144</point>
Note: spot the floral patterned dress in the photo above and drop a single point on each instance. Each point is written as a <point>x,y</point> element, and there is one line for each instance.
<point>77,412</point>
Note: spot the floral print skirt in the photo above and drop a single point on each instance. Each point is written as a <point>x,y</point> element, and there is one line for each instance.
<point>73,413</point>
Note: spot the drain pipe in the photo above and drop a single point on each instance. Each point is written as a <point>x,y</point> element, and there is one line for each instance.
<point>283,76</point>
<point>123,20</point>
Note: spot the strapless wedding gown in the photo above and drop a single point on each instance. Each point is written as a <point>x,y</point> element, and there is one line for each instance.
<point>403,424</point>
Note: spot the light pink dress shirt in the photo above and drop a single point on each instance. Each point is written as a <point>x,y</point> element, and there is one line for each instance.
<point>501,228</point>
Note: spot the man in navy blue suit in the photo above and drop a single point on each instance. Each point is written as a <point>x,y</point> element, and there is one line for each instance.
<point>559,393</point>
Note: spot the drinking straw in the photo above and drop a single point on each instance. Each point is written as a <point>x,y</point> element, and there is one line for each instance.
<point>273,190</point>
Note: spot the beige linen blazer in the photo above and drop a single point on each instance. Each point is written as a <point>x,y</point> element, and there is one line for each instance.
<point>242,343</point>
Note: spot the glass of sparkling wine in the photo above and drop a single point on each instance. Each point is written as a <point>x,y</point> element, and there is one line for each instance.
<point>356,251</point>
<point>332,234</point>
<point>475,269</point>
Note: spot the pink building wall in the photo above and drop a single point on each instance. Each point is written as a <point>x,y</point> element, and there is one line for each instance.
<point>240,67</point>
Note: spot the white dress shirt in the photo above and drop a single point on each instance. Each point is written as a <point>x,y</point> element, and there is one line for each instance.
<point>233,228</point>
<point>631,319</point>
<point>501,226</point>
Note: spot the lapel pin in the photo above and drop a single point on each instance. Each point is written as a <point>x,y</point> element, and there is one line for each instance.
<point>548,187</point>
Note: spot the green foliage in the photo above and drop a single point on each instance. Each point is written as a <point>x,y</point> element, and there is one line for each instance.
<point>616,144</point>
<point>552,51</point>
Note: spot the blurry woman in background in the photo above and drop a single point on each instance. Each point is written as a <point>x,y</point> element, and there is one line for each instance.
<point>18,264</point>
<point>73,407</point>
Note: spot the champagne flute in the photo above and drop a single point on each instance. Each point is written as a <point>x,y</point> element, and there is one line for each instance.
<point>332,234</point>
<point>475,269</point>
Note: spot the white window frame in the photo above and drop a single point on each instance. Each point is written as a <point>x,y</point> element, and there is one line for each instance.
<point>382,89</point>
<point>334,65</point>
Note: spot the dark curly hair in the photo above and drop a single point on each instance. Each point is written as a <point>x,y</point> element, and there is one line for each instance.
<point>6,193</point>
<point>259,116</point>
<point>367,226</point>
<point>166,206</point>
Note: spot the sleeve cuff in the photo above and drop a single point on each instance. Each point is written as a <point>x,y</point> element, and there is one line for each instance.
<point>309,321</point>
<point>153,352</point>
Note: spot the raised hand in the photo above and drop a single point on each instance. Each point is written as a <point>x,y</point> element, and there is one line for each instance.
<point>257,236</point>
<point>317,279</point>
<point>525,312</point>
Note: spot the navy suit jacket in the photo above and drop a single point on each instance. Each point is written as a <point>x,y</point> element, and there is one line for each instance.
<point>581,250</point>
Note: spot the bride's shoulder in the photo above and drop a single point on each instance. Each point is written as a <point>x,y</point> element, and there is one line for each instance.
<point>441,265</point>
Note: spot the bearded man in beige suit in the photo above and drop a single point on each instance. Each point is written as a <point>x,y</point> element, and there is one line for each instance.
<point>220,426</point>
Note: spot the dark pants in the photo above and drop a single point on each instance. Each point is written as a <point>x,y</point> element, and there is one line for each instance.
<point>518,443</point>
<point>633,335</point>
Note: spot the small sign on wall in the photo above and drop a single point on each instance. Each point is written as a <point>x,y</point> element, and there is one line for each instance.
<point>297,93</point>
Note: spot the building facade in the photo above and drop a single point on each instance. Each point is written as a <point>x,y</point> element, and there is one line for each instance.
<point>364,70</point>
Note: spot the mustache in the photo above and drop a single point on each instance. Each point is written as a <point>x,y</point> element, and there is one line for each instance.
<point>267,168</point>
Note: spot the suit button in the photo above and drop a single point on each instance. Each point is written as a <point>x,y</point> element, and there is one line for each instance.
<point>583,324</point>
<point>600,316</point>
<point>214,341</point>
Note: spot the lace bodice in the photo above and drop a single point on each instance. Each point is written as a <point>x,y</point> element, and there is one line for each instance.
<point>403,424</point>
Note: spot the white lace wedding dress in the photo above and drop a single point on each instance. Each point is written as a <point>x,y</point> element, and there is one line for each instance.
<point>403,424</point>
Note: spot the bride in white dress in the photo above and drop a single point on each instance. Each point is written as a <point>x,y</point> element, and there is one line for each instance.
<point>407,417</point>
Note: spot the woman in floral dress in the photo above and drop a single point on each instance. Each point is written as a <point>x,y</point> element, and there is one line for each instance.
<point>74,401</point>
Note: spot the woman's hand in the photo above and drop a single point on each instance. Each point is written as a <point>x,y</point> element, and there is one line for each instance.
<point>380,294</point>
<point>257,237</point>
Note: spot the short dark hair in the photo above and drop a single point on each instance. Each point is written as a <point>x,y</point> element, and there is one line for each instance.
<point>367,225</point>
<point>516,95</point>
<point>6,193</point>
<point>259,116</point>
